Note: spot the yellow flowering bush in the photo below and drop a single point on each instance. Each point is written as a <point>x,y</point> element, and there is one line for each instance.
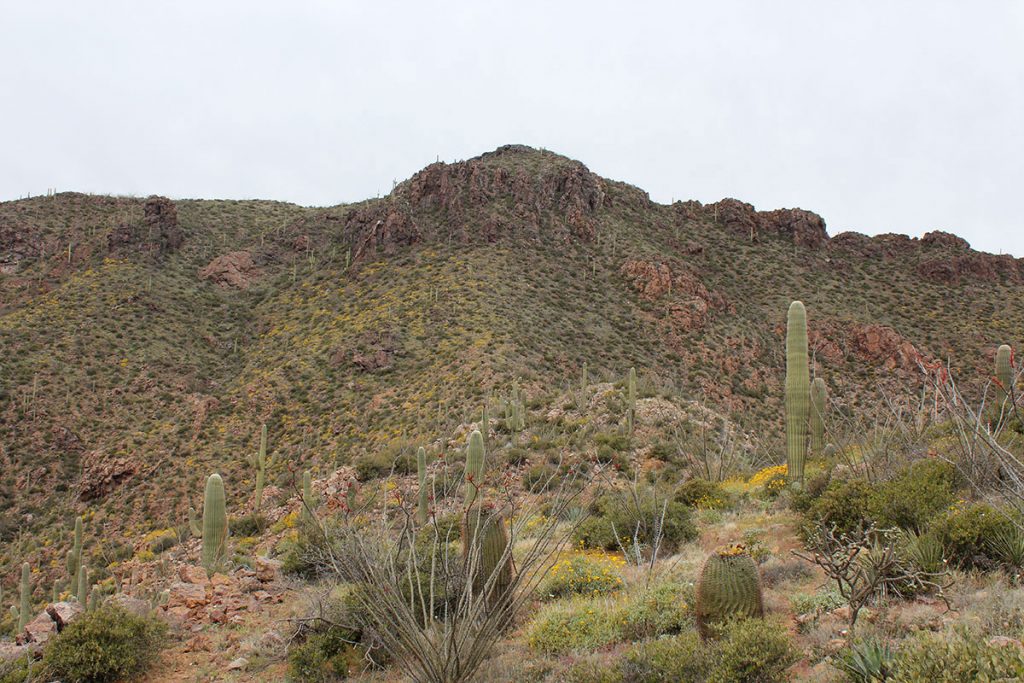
<point>584,573</point>
<point>770,481</point>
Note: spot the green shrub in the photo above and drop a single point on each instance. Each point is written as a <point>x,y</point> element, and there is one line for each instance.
<point>915,496</point>
<point>17,670</point>
<point>541,477</point>
<point>575,625</point>
<point>844,503</point>
<point>939,658</point>
<point>753,650</point>
<point>247,525</point>
<point>966,531</point>
<point>108,644</point>
<point>590,670</point>
<point>326,655</point>
<point>383,463</point>
<point>661,609</point>
<point>612,514</point>
<point>704,494</point>
<point>616,441</point>
<point>583,574</point>
<point>866,661</point>
<point>677,658</point>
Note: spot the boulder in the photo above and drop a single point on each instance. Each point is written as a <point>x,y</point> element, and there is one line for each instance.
<point>188,595</point>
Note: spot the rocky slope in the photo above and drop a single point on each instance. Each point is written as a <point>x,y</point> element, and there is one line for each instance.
<point>145,340</point>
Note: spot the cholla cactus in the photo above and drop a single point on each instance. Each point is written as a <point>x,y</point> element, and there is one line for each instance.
<point>797,392</point>
<point>729,586</point>
<point>215,525</point>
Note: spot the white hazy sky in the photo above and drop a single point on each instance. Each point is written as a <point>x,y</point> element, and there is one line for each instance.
<point>882,116</point>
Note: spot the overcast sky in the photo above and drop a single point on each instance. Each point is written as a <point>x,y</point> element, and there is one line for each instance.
<point>886,116</point>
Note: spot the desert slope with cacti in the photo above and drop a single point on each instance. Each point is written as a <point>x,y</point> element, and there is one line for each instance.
<point>146,342</point>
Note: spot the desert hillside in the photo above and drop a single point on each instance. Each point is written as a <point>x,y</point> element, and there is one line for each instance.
<point>147,341</point>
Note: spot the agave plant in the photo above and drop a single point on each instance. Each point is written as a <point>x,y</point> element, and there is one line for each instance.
<point>1007,545</point>
<point>925,551</point>
<point>866,661</point>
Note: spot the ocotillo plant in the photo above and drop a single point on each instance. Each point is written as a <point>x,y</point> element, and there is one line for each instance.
<point>729,586</point>
<point>819,402</point>
<point>421,475</point>
<point>259,463</point>
<point>215,525</point>
<point>797,392</point>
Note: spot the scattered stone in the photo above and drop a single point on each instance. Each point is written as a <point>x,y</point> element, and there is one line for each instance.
<point>190,573</point>
<point>188,595</point>
<point>238,664</point>
<point>63,613</point>
<point>129,604</point>
<point>267,570</point>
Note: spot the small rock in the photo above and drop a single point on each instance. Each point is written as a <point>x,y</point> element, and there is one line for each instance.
<point>221,580</point>
<point>1004,641</point>
<point>191,573</point>
<point>238,664</point>
<point>139,608</point>
<point>63,613</point>
<point>38,630</point>
<point>188,595</point>
<point>267,570</point>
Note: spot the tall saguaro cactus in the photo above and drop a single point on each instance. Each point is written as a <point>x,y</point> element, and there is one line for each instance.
<point>215,525</point>
<point>631,399</point>
<point>421,476</point>
<point>25,592</point>
<point>474,466</point>
<point>308,502</point>
<point>74,558</point>
<point>259,463</point>
<point>484,538</point>
<point>797,392</point>
<point>819,401</point>
<point>82,586</point>
<point>1004,372</point>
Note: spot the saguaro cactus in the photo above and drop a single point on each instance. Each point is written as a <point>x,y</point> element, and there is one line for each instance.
<point>259,463</point>
<point>631,399</point>
<point>484,537</point>
<point>215,525</point>
<point>308,502</point>
<point>421,475</point>
<point>474,467</point>
<point>74,557</point>
<point>729,586</point>
<point>797,392</point>
<point>82,589</point>
<point>819,401</point>
<point>25,607</point>
<point>1004,372</point>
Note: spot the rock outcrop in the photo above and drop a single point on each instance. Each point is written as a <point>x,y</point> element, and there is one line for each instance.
<point>157,235</point>
<point>234,269</point>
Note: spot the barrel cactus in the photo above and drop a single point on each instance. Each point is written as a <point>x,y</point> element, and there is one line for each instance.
<point>215,525</point>
<point>797,392</point>
<point>819,401</point>
<point>729,586</point>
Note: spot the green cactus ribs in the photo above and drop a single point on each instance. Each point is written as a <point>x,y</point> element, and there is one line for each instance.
<point>797,393</point>
<point>729,587</point>
<point>215,525</point>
